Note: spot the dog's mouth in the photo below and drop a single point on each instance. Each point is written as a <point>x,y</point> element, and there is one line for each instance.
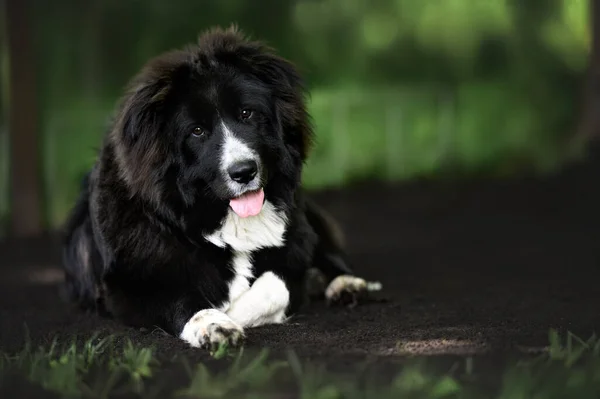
<point>248,204</point>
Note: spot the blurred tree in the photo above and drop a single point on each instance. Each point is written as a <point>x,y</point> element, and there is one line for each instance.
<point>26,218</point>
<point>590,120</point>
<point>509,73</point>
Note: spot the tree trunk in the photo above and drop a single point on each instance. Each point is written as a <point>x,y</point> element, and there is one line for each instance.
<point>590,120</point>
<point>25,187</point>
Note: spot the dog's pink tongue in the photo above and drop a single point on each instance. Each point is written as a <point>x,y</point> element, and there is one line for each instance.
<point>248,204</point>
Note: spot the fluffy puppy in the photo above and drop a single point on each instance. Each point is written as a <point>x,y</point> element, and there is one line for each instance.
<point>192,218</point>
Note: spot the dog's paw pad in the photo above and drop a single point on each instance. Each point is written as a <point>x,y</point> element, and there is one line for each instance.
<point>348,290</point>
<point>219,334</point>
<point>210,328</point>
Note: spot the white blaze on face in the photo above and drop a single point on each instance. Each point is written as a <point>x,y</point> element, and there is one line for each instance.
<point>248,198</point>
<point>234,150</point>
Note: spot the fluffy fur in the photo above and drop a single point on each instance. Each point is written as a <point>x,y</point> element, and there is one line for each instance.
<point>153,241</point>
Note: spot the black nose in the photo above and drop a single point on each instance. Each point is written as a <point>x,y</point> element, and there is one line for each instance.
<point>243,171</point>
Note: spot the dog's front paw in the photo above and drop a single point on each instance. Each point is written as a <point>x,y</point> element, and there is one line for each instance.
<point>210,328</point>
<point>348,290</point>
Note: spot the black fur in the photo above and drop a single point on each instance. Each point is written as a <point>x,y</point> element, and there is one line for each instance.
<point>134,245</point>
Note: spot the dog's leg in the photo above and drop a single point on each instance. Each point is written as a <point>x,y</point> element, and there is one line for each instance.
<point>186,314</point>
<point>210,328</point>
<point>264,303</point>
<point>331,274</point>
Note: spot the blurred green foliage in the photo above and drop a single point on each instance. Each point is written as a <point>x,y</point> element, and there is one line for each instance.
<point>400,88</point>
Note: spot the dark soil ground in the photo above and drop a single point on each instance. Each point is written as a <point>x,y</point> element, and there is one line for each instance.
<point>480,267</point>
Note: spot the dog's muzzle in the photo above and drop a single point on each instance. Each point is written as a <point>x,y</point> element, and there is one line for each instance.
<point>243,172</point>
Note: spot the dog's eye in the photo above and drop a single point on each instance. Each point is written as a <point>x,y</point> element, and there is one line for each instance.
<point>245,114</point>
<point>198,131</point>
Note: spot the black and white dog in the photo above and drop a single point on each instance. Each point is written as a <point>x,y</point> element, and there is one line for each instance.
<point>193,219</point>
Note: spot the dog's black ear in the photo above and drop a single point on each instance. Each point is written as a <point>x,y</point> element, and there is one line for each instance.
<point>278,72</point>
<point>135,138</point>
<point>139,147</point>
<point>290,97</point>
<point>148,94</point>
<point>139,113</point>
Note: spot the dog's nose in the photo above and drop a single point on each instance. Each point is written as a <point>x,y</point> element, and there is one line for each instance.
<point>243,171</point>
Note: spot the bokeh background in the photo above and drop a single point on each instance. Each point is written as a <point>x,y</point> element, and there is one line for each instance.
<point>400,89</point>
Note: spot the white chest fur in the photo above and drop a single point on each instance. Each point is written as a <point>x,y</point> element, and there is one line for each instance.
<point>249,234</point>
<point>245,235</point>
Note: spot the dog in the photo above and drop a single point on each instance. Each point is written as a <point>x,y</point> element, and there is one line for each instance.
<point>193,218</point>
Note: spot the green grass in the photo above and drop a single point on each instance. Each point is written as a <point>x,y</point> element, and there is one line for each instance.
<point>100,368</point>
<point>64,368</point>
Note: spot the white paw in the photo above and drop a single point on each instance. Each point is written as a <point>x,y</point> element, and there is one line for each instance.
<point>348,289</point>
<point>210,328</point>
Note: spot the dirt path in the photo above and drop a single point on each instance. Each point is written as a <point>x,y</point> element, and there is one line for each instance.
<point>480,267</point>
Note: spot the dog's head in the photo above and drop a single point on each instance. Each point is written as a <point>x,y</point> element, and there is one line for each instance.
<point>223,120</point>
